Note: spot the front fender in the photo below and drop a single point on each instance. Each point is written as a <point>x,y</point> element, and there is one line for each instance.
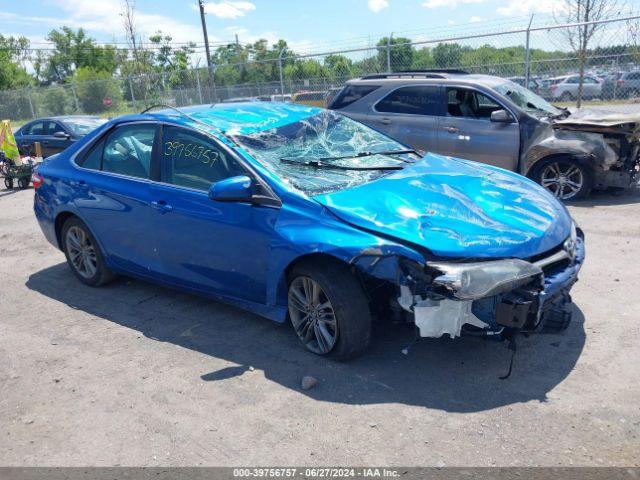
<point>587,146</point>
<point>301,233</point>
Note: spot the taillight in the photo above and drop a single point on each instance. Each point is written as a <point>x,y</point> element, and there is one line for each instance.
<point>36,179</point>
<point>553,87</point>
<point>620,83</point>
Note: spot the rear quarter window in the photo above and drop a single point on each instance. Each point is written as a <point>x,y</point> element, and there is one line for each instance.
<point>351,94</point>
<point>417,100</point>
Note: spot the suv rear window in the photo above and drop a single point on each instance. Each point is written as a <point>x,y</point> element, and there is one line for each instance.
<point>350,94</point>
<point>419,100</point>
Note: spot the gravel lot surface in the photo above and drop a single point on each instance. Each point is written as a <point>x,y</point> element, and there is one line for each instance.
<point>136,374</point>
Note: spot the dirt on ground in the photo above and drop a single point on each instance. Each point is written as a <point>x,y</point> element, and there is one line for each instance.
<point>137,374</point>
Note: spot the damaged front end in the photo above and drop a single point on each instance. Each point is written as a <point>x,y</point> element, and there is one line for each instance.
<point>492,298</point>
<point>610,143</point>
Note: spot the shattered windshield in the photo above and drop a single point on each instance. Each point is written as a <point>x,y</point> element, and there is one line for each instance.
<point>526,99</point>
<point>326,152</point>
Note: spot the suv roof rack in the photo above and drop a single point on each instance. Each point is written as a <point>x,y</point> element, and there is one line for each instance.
<point>428,73</point>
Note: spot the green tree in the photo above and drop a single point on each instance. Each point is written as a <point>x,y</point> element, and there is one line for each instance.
<point>400,53</point>
<point>422,59</point>
<point>92,86</point>
<point>73,49</point>
<point>12,51</point>
<point>446,55</point>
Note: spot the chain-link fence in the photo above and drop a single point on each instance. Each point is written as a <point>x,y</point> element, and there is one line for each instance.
<point>603,75</point>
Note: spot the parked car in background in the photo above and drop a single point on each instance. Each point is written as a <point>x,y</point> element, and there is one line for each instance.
<point>241,99</point>
<point>253,205</point>
<point>534,85</point>
<point>610,88</point>
<point>628,85</point>
<point>311,98</point>
<point>565,88</point>
<point>275,98</point>
<point>54,133</point>
<point>495,121</point>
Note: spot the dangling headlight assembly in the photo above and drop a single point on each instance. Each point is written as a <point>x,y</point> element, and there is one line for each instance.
<point>470,281</point>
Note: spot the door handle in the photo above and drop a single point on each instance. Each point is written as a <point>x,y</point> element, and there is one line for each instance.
<point>161,206</point>
<point>385,121</point>
<point>452,129</point>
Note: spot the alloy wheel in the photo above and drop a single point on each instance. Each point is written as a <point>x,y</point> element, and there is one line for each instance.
<point>312,315</point>
<point>564,180</point>
<point>82,252</point>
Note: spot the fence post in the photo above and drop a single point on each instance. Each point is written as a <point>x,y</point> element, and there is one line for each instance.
<point>199,89</point>
<point>33,112</point>
<point>280,69</point>
<point>75,97</point>
<point>389,53</point>
<point>527,66</point>
<point>133,97</point>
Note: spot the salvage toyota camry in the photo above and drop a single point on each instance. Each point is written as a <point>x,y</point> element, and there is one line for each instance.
<point>300,213</point>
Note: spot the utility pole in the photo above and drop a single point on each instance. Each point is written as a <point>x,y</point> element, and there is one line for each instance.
<point>206,44</point>
<point>238,53</point>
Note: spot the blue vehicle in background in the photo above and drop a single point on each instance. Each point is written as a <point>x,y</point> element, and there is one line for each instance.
<point>55,133</point>
<point>295,212</point>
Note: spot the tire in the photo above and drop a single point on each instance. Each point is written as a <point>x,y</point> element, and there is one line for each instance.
<point>566,97</point>
<point>8,182</point>
<point>74,231</point>
<point>24,182</point>
<point>347,301</point>
<point>558,318</point>
<point>562,169</point>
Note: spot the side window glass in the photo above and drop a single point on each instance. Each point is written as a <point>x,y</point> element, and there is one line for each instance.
<point>469,104</point>
<point>54,127</point>
<point>194,161</point>
<point>411,100</point>
<point>93,158</point>
<point>37,128</point>
<point>127,150</point>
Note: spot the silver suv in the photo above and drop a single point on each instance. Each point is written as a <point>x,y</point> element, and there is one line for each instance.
<point>496,121</point>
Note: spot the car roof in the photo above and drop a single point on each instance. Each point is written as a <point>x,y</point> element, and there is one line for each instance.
<point>233,118</point>
<point>429,77</point>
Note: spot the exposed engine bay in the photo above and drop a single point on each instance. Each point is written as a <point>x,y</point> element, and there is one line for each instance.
<point>608,142</point>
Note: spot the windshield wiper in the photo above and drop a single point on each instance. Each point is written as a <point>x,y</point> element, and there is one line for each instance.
<point>321,164</point>
<point>368,154</point>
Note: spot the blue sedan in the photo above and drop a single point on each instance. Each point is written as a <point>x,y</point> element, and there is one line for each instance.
<point>55,133</point>
<point>298,213</point>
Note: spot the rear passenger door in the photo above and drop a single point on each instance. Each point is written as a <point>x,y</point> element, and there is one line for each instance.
<point>411,115</point>
<point>112,196</point>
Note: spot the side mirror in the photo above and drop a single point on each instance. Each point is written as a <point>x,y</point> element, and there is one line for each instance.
<point>233,189</point>
<point>60,134</point>
<point>501,116</point>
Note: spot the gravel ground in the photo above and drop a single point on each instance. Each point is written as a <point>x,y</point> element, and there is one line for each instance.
<point>136,374</point>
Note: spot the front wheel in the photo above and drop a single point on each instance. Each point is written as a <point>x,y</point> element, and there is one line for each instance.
<point>83,254</point>
<point>24,182</point>
<point>329,309</point>
<point>566,179</point>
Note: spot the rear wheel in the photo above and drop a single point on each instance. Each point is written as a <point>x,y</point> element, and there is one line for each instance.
<point>566,97</point>
<point>566,179</point>
<point>329,309</point>
<point>83,254</point>
<point>8,182</point>
<point>24,182</point>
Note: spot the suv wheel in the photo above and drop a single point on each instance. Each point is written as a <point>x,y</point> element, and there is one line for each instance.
<point>566,179</point>
<point>83,254</point>
<point>329,309</point>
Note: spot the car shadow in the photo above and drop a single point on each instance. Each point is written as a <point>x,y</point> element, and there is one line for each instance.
<point>601,198</point>
<point>459,375</point>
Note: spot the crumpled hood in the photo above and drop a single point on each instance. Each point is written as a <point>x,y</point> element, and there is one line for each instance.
<point>601,121</point>
<point>456,208</point>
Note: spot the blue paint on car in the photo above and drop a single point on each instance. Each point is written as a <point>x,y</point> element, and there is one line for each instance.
<point>174,228</point>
